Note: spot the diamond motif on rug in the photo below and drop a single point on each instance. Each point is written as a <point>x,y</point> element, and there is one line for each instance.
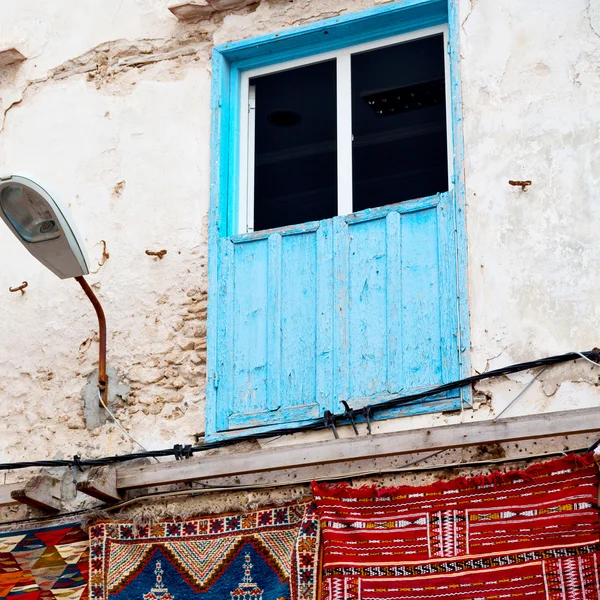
<point>8,543</point>
<point>48,568</point>
<point>33,567</point>
<point>27,559</point>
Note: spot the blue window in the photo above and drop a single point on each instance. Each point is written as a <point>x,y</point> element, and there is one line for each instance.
<point>336,242</point>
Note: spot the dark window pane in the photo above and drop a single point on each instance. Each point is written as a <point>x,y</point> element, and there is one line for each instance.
<point>296,156</point>
<point>399,150</point>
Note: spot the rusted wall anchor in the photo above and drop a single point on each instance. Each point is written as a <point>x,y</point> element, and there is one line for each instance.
<point>158,254</point>
<point>20,288</point>
<point>522,184</point>
<point>105,254</point>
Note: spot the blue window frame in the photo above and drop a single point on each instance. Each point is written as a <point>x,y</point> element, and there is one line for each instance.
<point>357,307</point>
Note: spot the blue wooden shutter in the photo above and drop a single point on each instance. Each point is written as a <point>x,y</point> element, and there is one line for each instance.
<point>356,308</point>
<point>271,301</point>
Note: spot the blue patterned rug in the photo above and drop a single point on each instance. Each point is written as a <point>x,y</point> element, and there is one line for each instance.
<point>268,554</point>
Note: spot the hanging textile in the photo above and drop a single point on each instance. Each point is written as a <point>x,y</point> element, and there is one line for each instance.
<point>529,535</point>
<point>43,564</point>
<point>268,554</point>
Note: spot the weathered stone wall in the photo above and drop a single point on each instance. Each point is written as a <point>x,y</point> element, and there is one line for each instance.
<point>112,109</point>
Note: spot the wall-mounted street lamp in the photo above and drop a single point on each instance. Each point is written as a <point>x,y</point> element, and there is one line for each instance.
<point>43,225</point>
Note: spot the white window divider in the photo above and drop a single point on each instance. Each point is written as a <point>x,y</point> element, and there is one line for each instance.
<point>344,132</point>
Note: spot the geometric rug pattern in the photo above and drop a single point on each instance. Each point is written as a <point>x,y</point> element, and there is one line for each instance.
<point>267,554</point>
<point>44,564</point>
<point>532,534</point>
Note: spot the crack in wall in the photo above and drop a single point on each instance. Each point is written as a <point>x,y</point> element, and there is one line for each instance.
<point>590,20</point>
<point>311,19</point>
<point>13,104</point>
<point>464,22</point>
<point>108,59</point>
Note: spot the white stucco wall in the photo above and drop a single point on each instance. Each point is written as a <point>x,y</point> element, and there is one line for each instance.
<point>112,109</point>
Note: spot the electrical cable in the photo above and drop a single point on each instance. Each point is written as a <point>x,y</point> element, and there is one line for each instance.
<point>53,517</point>
<point>121,426</point>
<point>341,418</point>
<point>588,359</point>
<point>593,447</point>
<point>406,468</point>
<point>520,393</point>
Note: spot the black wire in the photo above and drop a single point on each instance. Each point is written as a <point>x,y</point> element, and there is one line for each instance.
<point>54,517</point>
<point>341,418</point>
<point>207,489</point>
<point>594,446</point>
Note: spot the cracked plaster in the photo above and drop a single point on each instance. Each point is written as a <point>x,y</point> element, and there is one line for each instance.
<point>593,14</point>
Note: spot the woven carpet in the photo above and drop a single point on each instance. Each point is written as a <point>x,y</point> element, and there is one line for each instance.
<point>522,535</point>
<point>44,564</point>
<point>268,554</point>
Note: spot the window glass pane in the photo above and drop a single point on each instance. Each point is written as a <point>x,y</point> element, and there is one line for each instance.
<point>399,149</point>
<point>295,146</point>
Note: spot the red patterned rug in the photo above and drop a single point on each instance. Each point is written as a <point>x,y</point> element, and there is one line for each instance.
<point>268,554</point>
<point>532,535</point>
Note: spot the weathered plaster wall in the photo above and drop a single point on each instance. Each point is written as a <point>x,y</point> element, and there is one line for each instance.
<point>531,92</point>
<point>127,146</point>
<point>112,110</point>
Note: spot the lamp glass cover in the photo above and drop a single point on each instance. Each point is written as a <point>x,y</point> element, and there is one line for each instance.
<point>29,214</point>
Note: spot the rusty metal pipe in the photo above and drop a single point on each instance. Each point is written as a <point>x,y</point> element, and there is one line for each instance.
<point>102,377</point>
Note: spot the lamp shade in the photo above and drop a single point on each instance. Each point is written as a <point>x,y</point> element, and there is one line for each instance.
<point>43,225</point>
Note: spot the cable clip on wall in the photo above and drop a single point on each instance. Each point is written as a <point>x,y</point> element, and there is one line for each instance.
<point>349,414</point>
<point>329,423</point>
<point>180,452</point>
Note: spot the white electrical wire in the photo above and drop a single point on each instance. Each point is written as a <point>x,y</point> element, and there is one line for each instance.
<point>535,377</point>
<point>586,358</point>
<point>521,392</point>
<point>121,426</point>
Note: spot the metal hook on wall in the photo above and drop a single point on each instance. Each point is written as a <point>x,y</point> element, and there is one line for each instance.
<point>19,288</point>
<point>522,184</point>
<point>105,254</point>
<point>158,254</point>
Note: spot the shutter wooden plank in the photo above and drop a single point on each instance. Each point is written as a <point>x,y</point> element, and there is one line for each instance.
<point>274,284</point>
<point>420,300</point>
<point>325,308</point>
<point>448,293</point>
<point>250,328</point>
<point>394,302</point>
<point>367,308</point>
<point>299,323</point>
<point>341,350</point>
<point>458,435</point>
<point>225,336</point>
